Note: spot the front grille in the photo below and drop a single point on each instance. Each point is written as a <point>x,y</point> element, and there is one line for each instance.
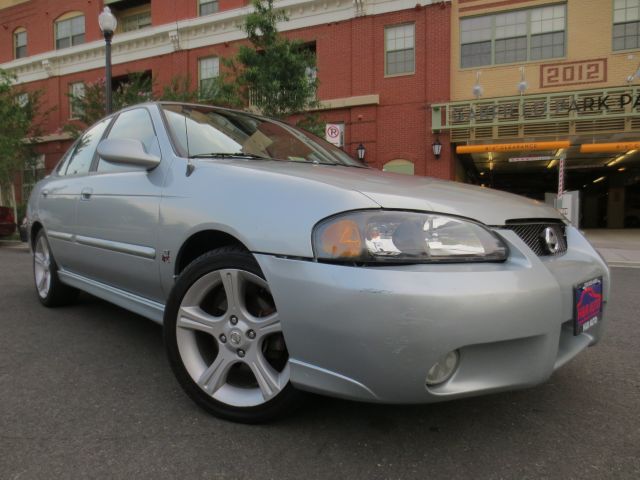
<point>533,234</point>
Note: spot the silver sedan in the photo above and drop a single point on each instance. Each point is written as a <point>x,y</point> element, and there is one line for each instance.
<point>278,264</point>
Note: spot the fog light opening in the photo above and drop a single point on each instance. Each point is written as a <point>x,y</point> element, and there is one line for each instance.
<point>442,370</point>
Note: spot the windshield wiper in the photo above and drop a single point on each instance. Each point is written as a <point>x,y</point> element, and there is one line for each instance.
<point>228,155</point>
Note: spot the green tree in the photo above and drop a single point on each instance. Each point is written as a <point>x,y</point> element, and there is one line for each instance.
<point>273,73</point>
<point>139,88</point>
<point>18,111</point>
<point>90,107</point>
<point>179,90</point>
<point>218,91</point>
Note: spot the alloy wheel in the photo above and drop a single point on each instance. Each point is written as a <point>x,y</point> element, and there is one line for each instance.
<point>42,267</point>
<point>230,340</point>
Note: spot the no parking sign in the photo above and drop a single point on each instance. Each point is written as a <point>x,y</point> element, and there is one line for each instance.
<point>334,133</point>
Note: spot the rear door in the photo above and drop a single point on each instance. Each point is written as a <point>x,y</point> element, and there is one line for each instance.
<point>118,214</point>
<point>60,193</point>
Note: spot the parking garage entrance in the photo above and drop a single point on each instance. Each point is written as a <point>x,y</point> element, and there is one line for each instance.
<point>600,182</point>
<point>584,144</point>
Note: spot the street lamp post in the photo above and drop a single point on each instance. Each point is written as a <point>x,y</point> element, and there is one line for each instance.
<point>108,24</point>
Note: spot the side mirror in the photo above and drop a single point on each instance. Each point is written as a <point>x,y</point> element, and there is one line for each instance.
<point>127,151</point>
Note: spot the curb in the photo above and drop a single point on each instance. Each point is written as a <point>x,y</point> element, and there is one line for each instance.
<point>624,264</point>
<point>16,244</point>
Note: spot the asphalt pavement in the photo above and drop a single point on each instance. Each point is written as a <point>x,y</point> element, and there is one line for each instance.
<point>86,392</point>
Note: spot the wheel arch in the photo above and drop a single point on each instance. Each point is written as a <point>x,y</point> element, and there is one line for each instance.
<point>33,233</point>
<point>202,242</point>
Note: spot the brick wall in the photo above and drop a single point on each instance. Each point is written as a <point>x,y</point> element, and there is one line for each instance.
<point>350,63</point>
<point>38,16</point>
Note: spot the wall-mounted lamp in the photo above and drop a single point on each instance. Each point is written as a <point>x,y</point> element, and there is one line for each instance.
<point>523,85</point>
<point>361,151</point>
<point>436,147</point>
<point>477,88</point>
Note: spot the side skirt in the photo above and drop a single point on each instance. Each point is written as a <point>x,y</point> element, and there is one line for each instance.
<point>134,303</point>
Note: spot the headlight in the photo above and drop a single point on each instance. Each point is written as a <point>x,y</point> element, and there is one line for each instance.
<point>405,237</point>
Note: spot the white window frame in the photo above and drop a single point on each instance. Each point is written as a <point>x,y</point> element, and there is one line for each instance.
<point>75,89</point>
<point>16,45</point>
<point>22,99</point>
<point>211,72</point>
<point>535,28</point>
<point>206,3</point>
<point>133,22</point>
<point>387,50</point>
<point>626,14</point>
<point>71,36</point>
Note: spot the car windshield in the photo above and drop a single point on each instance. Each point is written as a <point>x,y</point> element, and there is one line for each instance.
<point>214,132</point>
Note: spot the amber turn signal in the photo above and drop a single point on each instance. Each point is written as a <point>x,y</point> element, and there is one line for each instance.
<point>342,239</point>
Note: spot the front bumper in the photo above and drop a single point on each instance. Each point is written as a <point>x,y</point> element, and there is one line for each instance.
<point>373,333</point>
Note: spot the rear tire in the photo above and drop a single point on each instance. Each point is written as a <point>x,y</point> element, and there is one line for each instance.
<point>224,339</point>
<point>50,290</point>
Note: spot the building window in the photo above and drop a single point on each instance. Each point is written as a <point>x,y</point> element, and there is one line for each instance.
<point>20,43</point>
<point>34,171</point>
<point>208,6</point>
<point>70,32</point>
<point>208,71</point>
<point>475,35</point>
<point>76,95</point>
<point>22,99</point>
<point>400,53</point>
<point>511,37</point>
<point>136,21</point>
<point>626,24</point>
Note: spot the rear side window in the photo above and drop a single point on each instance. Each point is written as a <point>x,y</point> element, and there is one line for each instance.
<point>132,124</point>
<point>85,148</point>
<point>64,161</point>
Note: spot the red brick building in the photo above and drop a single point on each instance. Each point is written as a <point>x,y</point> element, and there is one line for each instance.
<point>381,63</point>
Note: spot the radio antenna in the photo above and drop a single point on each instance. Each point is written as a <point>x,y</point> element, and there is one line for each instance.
<point>190,166</point>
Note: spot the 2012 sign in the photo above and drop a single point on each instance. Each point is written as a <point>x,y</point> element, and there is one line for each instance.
<point>573,73</point>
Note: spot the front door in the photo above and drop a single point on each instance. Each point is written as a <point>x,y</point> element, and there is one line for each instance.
<point>118,214</point>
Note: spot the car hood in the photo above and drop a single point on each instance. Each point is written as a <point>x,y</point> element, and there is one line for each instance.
<point>395,191</point>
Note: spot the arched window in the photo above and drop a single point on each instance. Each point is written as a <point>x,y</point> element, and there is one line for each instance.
<point>399,166</point>
<point>20,42</point>
<point>69,30</point>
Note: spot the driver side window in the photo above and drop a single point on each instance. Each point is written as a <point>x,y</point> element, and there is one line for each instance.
<point>133,124</point>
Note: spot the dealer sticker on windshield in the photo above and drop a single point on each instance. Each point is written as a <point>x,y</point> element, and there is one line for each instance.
<point>587,305</point>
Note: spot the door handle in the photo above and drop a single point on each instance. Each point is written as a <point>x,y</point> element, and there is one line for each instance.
<point>86,193</point>
<point>45,193</point>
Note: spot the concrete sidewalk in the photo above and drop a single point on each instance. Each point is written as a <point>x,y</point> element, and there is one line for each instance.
<point>620,248</point>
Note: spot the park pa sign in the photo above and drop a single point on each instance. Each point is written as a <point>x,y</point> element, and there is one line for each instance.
<point>535,108</point>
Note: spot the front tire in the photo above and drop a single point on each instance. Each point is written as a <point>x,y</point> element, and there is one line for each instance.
<point>224,338</point>
<point>51,291</point>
